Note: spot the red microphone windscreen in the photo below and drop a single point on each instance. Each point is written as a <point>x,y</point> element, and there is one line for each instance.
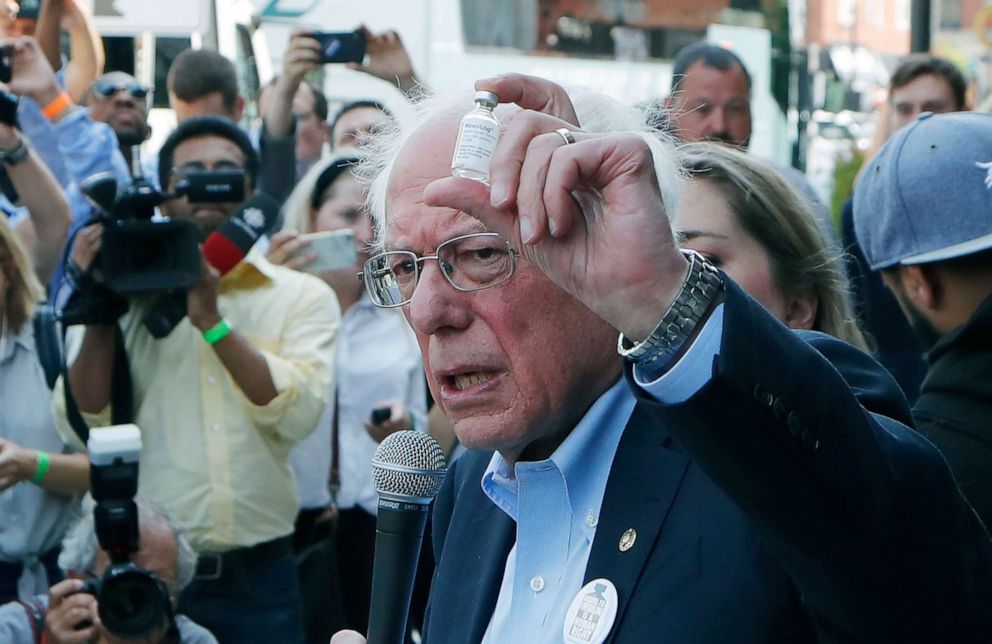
<point>222,253</point>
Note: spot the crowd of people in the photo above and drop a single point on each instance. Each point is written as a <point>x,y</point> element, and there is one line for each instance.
<point>667,387</point>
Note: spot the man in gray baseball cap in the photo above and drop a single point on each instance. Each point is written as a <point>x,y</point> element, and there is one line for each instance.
<point>923,215</point>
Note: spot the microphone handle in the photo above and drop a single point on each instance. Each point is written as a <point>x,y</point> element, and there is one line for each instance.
<point>398,535</point>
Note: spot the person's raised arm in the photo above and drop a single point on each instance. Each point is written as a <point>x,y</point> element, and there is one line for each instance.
<point>90,373</point>
<point>302,56</point>
<point>48,30</point>
<point>589,213</point>
<point>44,231</point>
<point>86,56</point>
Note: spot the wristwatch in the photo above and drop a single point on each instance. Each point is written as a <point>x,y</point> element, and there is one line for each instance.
<point>16,155</point>
<point>702,286</point>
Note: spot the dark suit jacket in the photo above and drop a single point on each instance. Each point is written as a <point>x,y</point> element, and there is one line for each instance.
<point>770,507</point>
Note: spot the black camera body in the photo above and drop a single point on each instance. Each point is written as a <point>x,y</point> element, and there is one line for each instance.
<point>141,255</point>
<point>133,602</point>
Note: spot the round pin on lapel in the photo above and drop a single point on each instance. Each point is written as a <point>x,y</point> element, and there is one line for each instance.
<point>591,614</point>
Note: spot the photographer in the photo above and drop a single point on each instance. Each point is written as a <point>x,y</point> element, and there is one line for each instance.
<point>68,614</point>
<point>221,400</point>
<point>65,138</point>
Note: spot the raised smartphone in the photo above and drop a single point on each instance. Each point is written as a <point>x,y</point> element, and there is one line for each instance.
<point>334,251</point>
<point>341,47</point>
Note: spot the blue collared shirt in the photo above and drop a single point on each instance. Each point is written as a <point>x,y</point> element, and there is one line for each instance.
<point>556,502</point>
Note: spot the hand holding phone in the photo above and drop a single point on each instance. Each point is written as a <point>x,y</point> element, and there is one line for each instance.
<point>332,251</point>
<point>340,47</point>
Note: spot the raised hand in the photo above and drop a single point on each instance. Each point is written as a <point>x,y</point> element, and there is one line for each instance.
<point>387,59</point>
<point>589,214</point>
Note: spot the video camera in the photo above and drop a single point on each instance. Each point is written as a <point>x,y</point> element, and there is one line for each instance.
<point>142,255</point>
<point>133,602</point>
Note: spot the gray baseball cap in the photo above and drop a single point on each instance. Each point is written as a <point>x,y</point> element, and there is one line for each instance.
<point>927,195</point>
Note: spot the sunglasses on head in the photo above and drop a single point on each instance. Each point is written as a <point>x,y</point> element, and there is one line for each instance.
<point>107,89</point>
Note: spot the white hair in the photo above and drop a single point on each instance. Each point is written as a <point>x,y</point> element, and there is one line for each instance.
<point>80,545</point>
<point>596,113</point>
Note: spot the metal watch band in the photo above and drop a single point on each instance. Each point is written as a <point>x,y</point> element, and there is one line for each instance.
<point>702,285</point>
<point>17,154</point>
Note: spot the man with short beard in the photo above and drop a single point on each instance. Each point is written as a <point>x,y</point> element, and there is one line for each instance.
<point>921,215</point>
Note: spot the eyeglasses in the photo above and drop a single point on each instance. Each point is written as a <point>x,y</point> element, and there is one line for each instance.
<point>469,263</point>
<point>107,89</point>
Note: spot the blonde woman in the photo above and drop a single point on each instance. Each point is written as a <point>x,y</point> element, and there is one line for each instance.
<point>744,217</point>
<point>39,484</point>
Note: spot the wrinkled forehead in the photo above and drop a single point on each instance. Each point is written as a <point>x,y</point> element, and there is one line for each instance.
<point>424,157</point>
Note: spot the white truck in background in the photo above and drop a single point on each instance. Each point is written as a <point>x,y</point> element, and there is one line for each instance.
<point>447,55</point>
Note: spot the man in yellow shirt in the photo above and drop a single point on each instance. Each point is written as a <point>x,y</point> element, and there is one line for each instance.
<point>220,402</point>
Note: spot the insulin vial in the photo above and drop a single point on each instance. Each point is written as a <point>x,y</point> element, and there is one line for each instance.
<point>477,136</point>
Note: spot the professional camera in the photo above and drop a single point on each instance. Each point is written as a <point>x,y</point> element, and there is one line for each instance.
<point>133,602</point>
<point>142,254</point>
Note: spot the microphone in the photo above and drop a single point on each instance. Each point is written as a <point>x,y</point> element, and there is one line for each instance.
<point>223,249</point>
<point>408,469</point>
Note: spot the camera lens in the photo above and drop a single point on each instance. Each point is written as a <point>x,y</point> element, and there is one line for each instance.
<point>133,603</point>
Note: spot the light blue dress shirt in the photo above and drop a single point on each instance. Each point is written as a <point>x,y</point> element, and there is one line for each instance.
<point>556,502</point>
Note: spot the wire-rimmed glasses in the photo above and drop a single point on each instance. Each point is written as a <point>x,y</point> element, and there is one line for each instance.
<point>469,262</point>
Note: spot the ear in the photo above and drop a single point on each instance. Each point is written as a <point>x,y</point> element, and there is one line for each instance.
<point>239,108</point>
<point>801,310</point>
<point>923,287</point>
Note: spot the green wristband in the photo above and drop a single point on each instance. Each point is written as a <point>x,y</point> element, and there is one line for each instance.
<point>43,463</point>
<point>217,332</point>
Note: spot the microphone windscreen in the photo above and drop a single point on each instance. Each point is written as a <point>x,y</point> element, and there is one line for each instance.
<point>228,245</point>
<point>409,466</point>
<point>222,253</point>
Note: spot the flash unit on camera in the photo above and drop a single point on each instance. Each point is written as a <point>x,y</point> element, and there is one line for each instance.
<point>114,444</point>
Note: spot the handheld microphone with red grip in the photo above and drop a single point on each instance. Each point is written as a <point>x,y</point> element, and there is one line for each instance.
<point>223,249</point>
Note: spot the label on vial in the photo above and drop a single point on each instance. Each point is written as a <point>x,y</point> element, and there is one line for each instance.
<point>476,143</point>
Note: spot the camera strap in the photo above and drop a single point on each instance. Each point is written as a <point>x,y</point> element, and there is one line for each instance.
<point>121,390</point>
<point>46,341</point>
<point>36,617</point>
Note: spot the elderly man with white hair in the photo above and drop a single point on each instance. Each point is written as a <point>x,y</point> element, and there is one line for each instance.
<point>722,479</point>
<point>68,615</point>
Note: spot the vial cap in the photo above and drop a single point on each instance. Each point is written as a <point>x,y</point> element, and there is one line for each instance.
<point>487,98</point>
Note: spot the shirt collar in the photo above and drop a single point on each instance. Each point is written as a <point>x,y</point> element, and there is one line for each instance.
<point>254,265</point>
<point>22,338</point>
<point>584,458</point>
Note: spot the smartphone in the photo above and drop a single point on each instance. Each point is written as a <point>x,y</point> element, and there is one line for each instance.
<point>6,63</point>
<point>380,415</point>
<point>334,250</point>
<point>29,9</point>
<point>341,47</point>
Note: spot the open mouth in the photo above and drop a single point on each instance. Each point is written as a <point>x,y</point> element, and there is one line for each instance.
<point>461,382</point>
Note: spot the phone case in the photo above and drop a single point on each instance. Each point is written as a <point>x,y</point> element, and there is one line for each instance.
<point>334,251</point>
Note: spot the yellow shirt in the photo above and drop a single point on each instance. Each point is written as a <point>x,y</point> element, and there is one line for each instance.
<point>216,462</point>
